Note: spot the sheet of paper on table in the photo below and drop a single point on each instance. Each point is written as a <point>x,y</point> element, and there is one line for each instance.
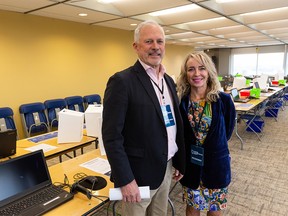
<point>98,165</point>
<point>43,146</point>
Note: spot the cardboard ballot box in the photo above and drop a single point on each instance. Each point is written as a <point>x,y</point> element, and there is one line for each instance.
<point>93,120</point>
<point>70,127</point>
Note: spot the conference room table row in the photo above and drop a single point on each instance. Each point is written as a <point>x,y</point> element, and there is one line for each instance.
<point>255,106</point>
<point>91,163</point>
<point>49,144</point>
<point>80,204</point>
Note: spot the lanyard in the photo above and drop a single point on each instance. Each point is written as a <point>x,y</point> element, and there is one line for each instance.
<point>160,90</point>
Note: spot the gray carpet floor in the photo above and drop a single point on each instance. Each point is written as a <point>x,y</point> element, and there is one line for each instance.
<point>259,184</point>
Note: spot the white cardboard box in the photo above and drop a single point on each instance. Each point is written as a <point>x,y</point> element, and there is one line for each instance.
<point>93,120</point>
<point>70,127</point>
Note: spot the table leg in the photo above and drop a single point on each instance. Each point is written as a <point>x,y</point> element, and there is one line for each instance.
<point>236,131</point>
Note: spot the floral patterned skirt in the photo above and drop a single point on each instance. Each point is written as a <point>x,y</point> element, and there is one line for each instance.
<point>205,199</point>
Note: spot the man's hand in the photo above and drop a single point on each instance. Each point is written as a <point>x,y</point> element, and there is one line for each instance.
<point>131,192</point>
<point>177,175</point>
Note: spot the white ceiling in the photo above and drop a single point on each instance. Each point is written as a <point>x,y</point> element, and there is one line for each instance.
<point>205,24</point>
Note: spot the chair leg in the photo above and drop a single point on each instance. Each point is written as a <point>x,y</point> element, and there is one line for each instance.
<point>172,206</point>
<point>273,113</point>
<point>69,156</point>
<point>250,126</point>
<point>114,208</point>
<point>96,143</point>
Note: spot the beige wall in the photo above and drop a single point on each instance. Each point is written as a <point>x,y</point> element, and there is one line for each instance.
<point>43,58</point>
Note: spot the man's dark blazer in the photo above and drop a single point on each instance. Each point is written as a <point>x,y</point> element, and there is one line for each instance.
<point>133,129</point>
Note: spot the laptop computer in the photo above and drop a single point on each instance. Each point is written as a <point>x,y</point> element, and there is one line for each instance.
<point>236,98</point>
<point>263,90</point>
<point>26,186</point>
<point>256,84</point>
<point>8,141</point>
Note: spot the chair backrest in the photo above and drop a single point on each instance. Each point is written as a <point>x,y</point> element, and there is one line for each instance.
<point>6,119</point>
<point>75,103</point>
<point>34,118</point>
<point>53,107</point>
<point>91,99</point>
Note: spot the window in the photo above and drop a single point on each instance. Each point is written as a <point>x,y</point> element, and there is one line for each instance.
<point>270,63</point>
<point>244,64</point>
<point>257,61</point>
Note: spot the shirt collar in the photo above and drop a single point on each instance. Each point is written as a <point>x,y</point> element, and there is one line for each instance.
<point>152,72</point>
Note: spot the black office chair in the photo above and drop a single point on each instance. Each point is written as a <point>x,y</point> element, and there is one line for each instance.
<point>53,107</point>
<point>6,119</point>
<point>75,103</point>
<point>34,118</point>
<point>91,99</point>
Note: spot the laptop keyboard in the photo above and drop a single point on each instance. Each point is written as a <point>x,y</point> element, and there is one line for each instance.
<point>34,199</point>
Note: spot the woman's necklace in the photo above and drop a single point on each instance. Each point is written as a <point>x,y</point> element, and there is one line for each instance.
<point>196,98</point>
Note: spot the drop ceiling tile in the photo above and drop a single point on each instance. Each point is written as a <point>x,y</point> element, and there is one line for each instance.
<point>194,14</point>
<point>205,24</point>
<point>130,7</point>
<point>122,23</point>
<point>68,12</point>
<point>271,25</point>
<point>265,16</point>
<point>23,6</point>
<point>244,6</point>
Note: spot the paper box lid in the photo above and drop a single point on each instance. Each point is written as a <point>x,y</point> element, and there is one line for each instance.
<point>94,108</point>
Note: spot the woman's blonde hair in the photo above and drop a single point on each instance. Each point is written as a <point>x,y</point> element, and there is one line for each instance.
<point>213,84</point>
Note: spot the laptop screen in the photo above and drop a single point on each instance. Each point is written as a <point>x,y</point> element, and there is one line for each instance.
<point>257,85</point>
<point>234,93</point>
<point>22,175</point>
<point>8,141</point>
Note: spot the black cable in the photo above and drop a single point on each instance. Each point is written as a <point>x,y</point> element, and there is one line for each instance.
<point>108,208</point>
<point>79,176</point>
<point>64,184</point>
<point>99,196</point>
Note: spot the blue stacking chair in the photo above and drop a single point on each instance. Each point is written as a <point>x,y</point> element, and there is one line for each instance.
<point>75,103</point>
<point>275,103</point>
<point>7,119</point>
<point>53,107</point>
<point>34,118</point>
<point>91,99</point>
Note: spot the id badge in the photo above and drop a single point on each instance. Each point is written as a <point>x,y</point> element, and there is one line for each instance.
<point>168,116</point>
<point>197,155</point>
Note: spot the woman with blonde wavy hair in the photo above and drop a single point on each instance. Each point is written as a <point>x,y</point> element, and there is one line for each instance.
<point>208,117</point>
